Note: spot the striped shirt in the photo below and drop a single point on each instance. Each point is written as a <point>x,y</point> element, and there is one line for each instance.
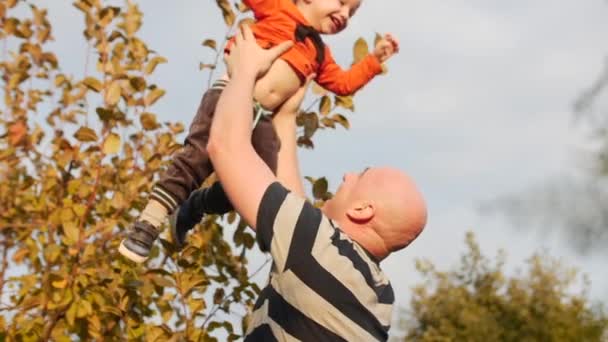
<point>323,286</point>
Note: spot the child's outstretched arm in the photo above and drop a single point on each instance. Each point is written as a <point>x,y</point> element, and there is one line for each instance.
<point>346,82</point>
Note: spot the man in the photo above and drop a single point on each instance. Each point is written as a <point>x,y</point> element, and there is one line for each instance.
<point>326,283</point>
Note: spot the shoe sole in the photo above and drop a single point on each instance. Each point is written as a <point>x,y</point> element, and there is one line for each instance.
<point>122,249</point>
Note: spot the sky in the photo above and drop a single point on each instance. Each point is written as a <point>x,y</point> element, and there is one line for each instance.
<point>477,104</point>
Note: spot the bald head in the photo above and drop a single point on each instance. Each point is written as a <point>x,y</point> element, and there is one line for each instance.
<point>380,208</point>
<point>400,209</point>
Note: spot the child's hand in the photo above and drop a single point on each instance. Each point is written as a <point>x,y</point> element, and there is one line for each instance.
<point>386,47</point>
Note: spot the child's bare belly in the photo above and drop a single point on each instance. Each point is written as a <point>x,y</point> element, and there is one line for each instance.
<point>277,85</point>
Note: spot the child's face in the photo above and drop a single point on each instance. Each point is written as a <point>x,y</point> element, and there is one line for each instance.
<point>331,16</point>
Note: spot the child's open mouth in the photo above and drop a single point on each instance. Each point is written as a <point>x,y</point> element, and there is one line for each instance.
<point>337,23</point>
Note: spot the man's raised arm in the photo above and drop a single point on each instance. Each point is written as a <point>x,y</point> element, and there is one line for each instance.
<point>244,175</point>
<point>288,167</point>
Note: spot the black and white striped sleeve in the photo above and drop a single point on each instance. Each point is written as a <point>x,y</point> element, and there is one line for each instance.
<point>281,216</point>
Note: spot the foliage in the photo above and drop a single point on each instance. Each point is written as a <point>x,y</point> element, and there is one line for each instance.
<point>477,302</point>
<point>77,158</point>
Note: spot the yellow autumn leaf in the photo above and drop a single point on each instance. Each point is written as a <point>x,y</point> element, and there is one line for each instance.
<point>325,105</point>
<point>360,50</point>
<point>93,84</point>
<point>318,90</point>
<point>153,63</point>
<point>20,254</point>
<point>341,119</point>
<point>242,7</point>
<point>113,93</point>
<point>85,134</point>
<point>227,12</point>
<point>112,144</point>
<point>153,96</point>
<point>345,102</point>
<point>71,232</point>
<point>70,315</point>
<point>60,284</point>
<point>148,121</point>
<point>210,43</point>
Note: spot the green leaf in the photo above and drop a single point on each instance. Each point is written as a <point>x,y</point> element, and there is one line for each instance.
<point>85,134</point>
<point>360,50</point>
<point>153,63</point>
<point>319,189</point>
<point>325,105</point>
<point>93,84</point>
<point>112,144</point>
<point>153,96</point>
<point>210,43</point>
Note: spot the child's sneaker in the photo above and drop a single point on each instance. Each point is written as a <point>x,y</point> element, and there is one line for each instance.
<point>138,243</point>
<point>185,218</point>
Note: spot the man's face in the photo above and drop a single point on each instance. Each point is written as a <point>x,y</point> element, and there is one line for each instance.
<point>353,183</point>
<point>332,16</point>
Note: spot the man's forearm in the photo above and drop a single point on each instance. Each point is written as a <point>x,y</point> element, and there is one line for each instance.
<point>227,133</point>
<point>288,166</point>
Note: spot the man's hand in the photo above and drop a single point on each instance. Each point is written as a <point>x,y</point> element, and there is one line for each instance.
<point>246,56</point>
<point>386,47</point>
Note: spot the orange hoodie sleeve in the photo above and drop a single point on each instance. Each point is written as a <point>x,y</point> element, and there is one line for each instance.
<point>263,8</point>
<point>346,82</point>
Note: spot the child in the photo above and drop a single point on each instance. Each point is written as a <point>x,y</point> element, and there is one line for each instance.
<point>276,21</point>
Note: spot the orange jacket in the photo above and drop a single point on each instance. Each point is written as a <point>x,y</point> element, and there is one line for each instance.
<point>276,22</point>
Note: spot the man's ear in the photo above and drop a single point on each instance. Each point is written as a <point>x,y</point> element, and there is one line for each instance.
<point>361,213</point>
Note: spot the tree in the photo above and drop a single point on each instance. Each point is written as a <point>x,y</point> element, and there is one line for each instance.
<point>476,301</point>
<point>77,157</point>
